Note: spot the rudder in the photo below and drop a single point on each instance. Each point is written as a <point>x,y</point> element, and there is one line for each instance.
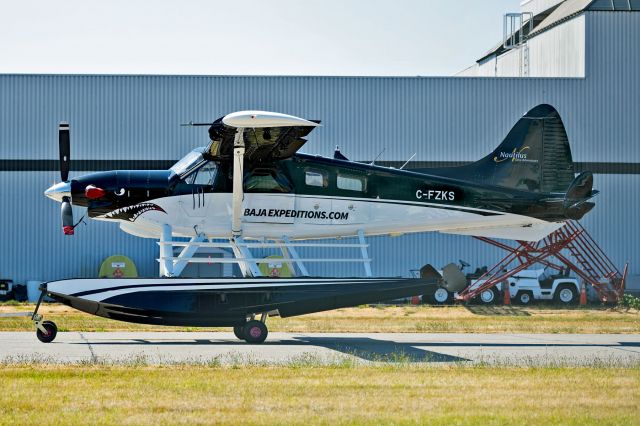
<point>534,156</point>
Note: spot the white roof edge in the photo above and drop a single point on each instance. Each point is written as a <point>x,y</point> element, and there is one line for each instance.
<point>255,119</point>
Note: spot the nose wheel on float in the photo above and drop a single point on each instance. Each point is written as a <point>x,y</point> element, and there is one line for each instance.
<point>253,331</point>
<point>46,331</point>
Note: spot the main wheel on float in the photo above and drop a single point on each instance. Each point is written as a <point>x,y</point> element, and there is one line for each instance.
<point>47,336</point>
<point>255,331</point>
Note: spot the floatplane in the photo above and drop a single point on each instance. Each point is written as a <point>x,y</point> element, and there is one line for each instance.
<point>250,188</point>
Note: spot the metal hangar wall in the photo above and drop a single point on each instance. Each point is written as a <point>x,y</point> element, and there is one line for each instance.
<point>126,121</point>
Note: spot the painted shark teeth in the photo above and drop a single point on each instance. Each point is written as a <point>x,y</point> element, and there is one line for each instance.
<point>131,213</point>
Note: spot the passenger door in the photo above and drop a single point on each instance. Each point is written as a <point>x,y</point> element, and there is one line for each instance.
<point>353,206</point>
<point>312,207</point>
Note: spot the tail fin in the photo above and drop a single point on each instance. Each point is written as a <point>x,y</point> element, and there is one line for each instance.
<point>535,156</point>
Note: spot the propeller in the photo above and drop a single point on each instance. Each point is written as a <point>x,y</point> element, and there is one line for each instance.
<point>66,214</point>
<point>64,144</point>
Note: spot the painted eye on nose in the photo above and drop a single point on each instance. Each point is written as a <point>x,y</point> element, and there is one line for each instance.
<point>119,193</point>
<point>93,192</point>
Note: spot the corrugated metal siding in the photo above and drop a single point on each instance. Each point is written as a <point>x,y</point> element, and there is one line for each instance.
<point>449,119</point>
<point>613,74</point>
<point>559,52</point>
<point>446,119</point>
<point>509,64</point>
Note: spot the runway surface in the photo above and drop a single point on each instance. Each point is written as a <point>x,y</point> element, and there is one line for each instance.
<point>283,348</point>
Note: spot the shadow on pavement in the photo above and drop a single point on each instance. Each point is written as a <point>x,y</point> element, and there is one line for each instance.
<point>379,350</point>
<point>364,348</point>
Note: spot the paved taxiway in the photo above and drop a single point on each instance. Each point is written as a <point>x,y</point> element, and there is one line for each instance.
<point>175,347</point>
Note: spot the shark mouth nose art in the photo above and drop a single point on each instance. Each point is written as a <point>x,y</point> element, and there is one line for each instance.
<point>131,213</point>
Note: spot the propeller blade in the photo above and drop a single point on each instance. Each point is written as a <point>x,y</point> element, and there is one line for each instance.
<point>65,150</point>
<point>66,214</point>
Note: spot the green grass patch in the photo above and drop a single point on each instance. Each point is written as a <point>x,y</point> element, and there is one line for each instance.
<point>307,392</point>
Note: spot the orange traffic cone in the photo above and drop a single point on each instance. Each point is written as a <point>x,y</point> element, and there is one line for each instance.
<point>583,295</point>
<point>505,291</point>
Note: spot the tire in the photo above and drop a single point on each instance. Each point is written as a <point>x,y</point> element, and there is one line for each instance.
<point>489,296</point>
<point>50,335</point>
<point>566,295</point>
<point>238,330</point>
<point>255,332</point>
<point>441,296</point>
<point>524,298</point>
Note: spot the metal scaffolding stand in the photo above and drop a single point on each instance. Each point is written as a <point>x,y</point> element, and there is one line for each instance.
<point>571,241</point>
<point>173,266</point>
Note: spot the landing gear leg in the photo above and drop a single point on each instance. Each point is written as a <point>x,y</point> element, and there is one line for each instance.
<point>46,331</point>
<point>256,331</point>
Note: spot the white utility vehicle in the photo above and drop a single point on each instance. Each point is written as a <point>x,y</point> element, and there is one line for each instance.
<point>525,287</point>
<point>535,284</point>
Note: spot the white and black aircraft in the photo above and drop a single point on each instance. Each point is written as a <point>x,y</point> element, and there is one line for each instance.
<point>250,183</point>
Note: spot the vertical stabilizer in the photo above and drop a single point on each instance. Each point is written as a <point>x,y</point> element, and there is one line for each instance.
<point>534,156</point>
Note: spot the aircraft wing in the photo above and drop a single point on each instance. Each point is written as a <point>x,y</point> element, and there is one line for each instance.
<point>268,136</point>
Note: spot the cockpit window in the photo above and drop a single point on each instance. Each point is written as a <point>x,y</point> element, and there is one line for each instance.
<point>207,174</point>
<point>188,163</point>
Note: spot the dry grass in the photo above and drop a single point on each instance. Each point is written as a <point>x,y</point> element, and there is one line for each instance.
<point>454,319</point>
<point>405,394</point>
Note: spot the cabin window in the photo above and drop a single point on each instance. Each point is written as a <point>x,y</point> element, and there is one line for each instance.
<point>316,178</point>
<point>350,183</point>
<point>266,181</point>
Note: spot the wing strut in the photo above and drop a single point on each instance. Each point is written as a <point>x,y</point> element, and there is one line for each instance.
<point>238,176</point>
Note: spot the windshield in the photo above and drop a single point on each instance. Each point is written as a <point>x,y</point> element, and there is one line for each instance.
<point>188,162</point>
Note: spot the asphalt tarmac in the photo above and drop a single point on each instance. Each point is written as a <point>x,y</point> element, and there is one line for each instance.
<point>284,348</point>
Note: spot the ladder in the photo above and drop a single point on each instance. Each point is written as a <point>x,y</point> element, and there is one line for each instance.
<point>555,251</point>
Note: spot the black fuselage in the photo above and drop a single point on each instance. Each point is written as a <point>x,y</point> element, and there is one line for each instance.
<point>131,187</point>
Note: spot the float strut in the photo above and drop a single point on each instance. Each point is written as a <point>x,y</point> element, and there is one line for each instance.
<point>36,317</point>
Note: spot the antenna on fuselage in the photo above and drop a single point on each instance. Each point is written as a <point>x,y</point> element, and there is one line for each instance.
<point>337,155</point>
<point>407,162</point>
<point>378,156</point>
<point>191,124</point>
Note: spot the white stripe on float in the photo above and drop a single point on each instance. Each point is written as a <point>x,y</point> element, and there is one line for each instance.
<point>73,286</point>
<point>107,293</point>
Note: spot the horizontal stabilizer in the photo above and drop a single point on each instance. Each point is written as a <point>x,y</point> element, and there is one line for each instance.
<point>576,200</point>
